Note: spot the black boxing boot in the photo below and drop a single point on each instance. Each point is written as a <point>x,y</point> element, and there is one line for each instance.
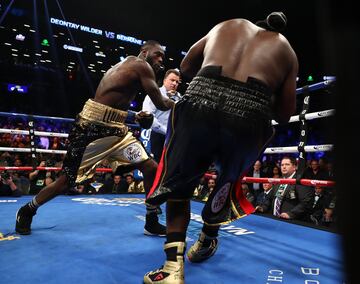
<point>24,217</point>
<point>152,226</point>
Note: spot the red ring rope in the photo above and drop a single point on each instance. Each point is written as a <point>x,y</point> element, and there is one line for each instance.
<point>308,182</point>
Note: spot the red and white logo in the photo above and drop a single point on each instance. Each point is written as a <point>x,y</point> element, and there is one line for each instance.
<point>220,198</point>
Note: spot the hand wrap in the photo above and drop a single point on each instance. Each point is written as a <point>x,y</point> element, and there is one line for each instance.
<point>145,119</point>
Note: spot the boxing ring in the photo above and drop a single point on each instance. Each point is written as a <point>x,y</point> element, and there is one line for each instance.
<point>99,238</point>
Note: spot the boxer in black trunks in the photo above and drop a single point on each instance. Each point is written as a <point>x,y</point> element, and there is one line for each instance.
<point>99,133</point>
<point>245,76</point>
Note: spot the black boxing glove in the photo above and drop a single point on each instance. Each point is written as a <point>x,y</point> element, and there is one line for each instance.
<point>145,119</point>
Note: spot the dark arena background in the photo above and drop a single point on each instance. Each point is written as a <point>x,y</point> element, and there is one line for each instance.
<point>59,50</point>
<point>53,54</point>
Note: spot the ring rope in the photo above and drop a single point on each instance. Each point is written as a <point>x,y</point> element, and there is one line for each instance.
<point>37,133</point>
<point>271,150</point>
<point>308,182</point>
<point>28,150</point>
<point>51,169</point>
<point>130,112</point>
<point>313,87</point>
<point>309,116</point>
<point>37,116</point>
<point>293,149</point>
<point>316,86</point>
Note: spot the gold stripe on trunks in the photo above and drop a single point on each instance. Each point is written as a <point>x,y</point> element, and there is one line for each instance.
<point>97,112</point>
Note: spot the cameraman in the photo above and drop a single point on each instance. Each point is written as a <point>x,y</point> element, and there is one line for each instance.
<point>40,178</point>
<point>7,186</point>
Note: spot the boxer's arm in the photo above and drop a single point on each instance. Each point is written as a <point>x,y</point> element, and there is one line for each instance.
<point>193,60</point>
<point>285,101</point>
<point>145,119</point>
<point>148,82</point>
<point>148,105</point>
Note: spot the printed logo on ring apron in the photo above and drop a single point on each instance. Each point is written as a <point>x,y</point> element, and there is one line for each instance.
<point>133,153</point>
<point>219,199</point>
<point>8,237</point>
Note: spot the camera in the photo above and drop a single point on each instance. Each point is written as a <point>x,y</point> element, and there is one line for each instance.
<point>49,163</point>
<point>5,176</point>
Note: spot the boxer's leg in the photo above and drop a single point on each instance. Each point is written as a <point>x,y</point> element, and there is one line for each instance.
<point>152,226</point>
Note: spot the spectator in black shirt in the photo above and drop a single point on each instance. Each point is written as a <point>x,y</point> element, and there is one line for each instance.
<point>7,186</point>
<point>116,185</point>
<point>315,172</point>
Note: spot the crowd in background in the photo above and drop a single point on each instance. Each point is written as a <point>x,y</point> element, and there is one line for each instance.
<point>314,205</point>
<point>319,209</point>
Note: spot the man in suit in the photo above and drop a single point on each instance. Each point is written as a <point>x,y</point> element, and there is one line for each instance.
<point>257,172</point>
<point>116,185</point>
<point>265,198</point>
<point>291,201</point>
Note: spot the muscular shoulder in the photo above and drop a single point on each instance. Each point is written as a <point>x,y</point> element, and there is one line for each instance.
<point>135,66</point>
<point>135,62</point>
<point>233,22</point>
<point>283,40</point>
<point>141,66</point>
<point>291,53</point>
<point>283,45</point>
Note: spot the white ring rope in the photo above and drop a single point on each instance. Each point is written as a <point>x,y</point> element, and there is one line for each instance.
<point>294,149</point>
<point>309,116</point>
<point>28,150</point>
<point>273,150</point>
<point>37,133</point>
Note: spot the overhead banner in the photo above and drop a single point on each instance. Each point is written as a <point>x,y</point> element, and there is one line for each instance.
<point>107,34</point>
